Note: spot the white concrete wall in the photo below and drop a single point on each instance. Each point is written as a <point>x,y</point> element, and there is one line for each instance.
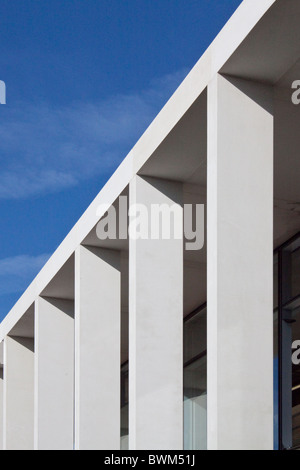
<point>54,374</point>
<point>97,320</point>
<point>18,419</point>
<point>240,265</point>
<point>155,329</point>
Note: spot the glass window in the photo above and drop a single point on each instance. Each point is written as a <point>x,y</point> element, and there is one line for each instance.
<point>295,273</point>
<point>195,382</point>
<point>275,357</point>
<point>296,380</point>
<point>124,407</point>
<point>195,387</point>
<point>275,279</point>
<point>289,333</point>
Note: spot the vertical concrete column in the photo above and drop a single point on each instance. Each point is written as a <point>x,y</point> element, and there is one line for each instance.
<point>240,265</point>
<point>155,321</point>
<point>97,340</point>
<point>18,393</point>
<point>54,374</point>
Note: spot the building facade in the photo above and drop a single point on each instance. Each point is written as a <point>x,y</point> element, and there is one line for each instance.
<point>143,341</point>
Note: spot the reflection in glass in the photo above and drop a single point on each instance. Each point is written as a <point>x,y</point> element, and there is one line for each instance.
<point>289,312</point>
<point>296,382</point>
<point>295,273</point>
<point>124,407</point>
<point>275,356</point>
<point>195,381</point>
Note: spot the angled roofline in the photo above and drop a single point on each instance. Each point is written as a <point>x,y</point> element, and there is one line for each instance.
<point>225,44</point>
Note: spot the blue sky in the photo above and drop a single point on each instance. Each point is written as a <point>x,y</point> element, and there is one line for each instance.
<point>84,80</point>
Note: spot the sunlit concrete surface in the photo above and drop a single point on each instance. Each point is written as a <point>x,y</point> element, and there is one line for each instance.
<point>228,138</point>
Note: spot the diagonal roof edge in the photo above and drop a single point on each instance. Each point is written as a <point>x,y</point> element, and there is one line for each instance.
<point>228,40</point>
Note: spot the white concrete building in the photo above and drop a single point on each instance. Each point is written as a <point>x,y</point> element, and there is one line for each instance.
<point>197,343</point>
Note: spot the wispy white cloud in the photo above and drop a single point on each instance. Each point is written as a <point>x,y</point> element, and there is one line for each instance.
<point>44,148</point>
<point>15,272</point>
<point>16,184</point>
